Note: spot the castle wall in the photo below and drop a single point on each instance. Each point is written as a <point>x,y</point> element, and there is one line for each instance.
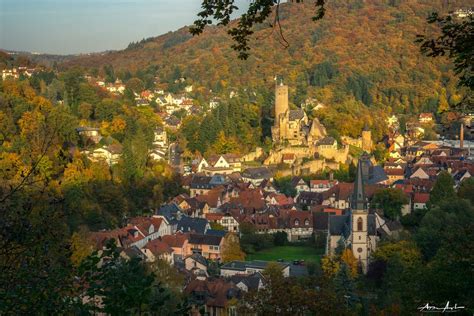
<point>275,156</point>
<point>317,165</point>
<point>309,167</point>
<point>339,155</point>
<point>356,142</point>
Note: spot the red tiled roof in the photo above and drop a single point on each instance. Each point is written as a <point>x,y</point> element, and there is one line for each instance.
<point>124,237</point>
<point>343,190</point>
<point>394,172</point>
<point>281,199</point>
<point>143,224</point>
<point>158,247</point>
<point>407,188</point>
<point>318,182</point>
<point>175,241</point>
<point>212,160</point>
<point>216,291</point>
<point>421,198</point>
<point>212,196</point>
<point>214,216</point>
<point>302,217</point>
<point>99,238</point>
<point>331,210</point>
<point>250,199</point>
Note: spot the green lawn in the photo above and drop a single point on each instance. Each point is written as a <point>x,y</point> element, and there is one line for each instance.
<point>288,253</point>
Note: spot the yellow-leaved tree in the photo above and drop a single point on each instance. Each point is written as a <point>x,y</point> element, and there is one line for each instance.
<point>330,266</point>
<point>231,249</point>
<point>348,258</point>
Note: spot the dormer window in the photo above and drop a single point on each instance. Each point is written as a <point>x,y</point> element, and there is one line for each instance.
<point>306,222</point>
<point>297,222</point>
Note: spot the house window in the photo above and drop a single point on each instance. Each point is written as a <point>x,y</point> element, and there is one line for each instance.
<point>297,222</point>
<point>306,222</point>
<point>359,224</point>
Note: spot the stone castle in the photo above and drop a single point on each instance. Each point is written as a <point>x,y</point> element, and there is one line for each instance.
<point>294,135</point>
<point>292,127</point>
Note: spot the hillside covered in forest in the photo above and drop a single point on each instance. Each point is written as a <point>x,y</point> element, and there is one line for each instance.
<point>362,50</point>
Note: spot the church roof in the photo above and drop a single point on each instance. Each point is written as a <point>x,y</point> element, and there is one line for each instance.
<point>296,114</point>
<point>358,198</point>
<point>340,225</point>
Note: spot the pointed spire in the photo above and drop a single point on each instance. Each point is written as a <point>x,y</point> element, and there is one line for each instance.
<point>358,197</point>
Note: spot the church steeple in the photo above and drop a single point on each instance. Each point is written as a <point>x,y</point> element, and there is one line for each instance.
<point>358,198</point>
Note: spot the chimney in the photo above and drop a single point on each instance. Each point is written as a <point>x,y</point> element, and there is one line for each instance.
<point>461,136</point>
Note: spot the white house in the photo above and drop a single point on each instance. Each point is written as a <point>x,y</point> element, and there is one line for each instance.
<point>321,185</point>
<point>197,264</point>
<point>214,103</point>
<point>157,249</point>
<point>420,200</point>
<point>110,154</point>
<point>160,137</point>
<point>158,154</point>
<point>10,73</point>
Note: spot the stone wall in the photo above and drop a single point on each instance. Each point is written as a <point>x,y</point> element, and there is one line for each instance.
<point>339,155</point>
<point>251,156</point>
<point>309,167</point>
<point>275,156</point>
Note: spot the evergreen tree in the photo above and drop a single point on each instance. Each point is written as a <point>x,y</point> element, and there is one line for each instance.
<point>443,189</point>
<point>134,156</point>
<point>466,189</point>
<point>344,285</point>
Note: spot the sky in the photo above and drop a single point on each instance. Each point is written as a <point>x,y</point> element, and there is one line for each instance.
<point>85,26</point>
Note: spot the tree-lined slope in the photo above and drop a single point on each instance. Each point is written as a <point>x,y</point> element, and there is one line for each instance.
<point>362,54</point>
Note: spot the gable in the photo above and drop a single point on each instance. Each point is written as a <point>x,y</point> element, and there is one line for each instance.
<point>221,163</point>
<point>419,173</point>
<point>203,163</point>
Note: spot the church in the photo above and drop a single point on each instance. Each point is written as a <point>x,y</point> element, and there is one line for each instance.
<point>292,127</point>
<point>357,229</point>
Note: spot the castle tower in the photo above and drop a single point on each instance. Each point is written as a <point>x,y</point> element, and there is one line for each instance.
<point>367,139</point>
<point>281,101</point>
<point>281,112</point>
<point>360,242</point>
